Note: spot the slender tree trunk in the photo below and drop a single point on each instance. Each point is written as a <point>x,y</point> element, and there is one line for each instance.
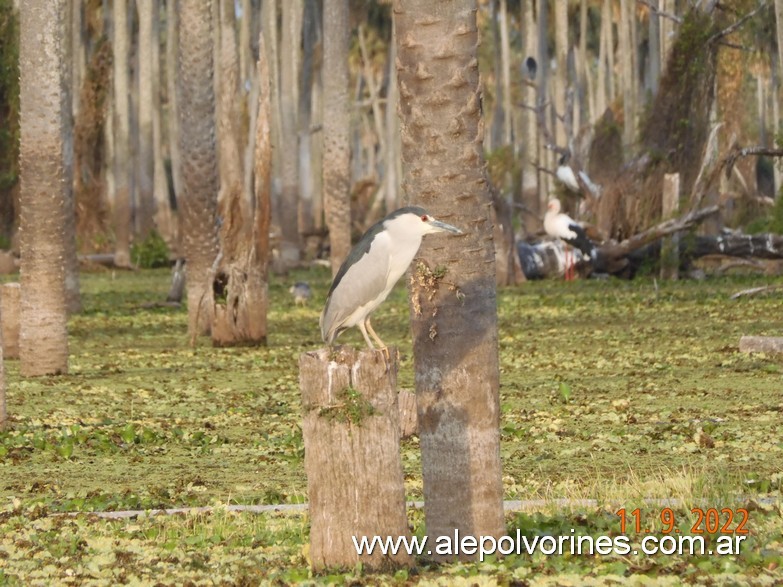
<point>290,247</point>
<point>46,155</point>
<point>262,219</point>
<point>164,218</point>
<point>145,209</point>
<point>122,153</point>
<point>310,36</point>
<point>505,60</point>
<point>453,314</point>
<point>172,60</point>
<point>336,129</point>
<point>317,138</point>
<point>584,108</point>
<point>543,96</point>
<point>199,158</point>
<point>654,52</point>
<point>245,47</point>
<point>392,164</point>
<point>269,18</point>
<point>608,14</point>
<point>603,49</point>
<point>78,54</point>
<point>561,75</point>
<point>667,30</point>
<point>494,140</point>
<point>3,409</point>
<point>530,180</point>
<point>627,78</point>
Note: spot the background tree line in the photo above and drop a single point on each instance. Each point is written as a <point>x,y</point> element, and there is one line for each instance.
<point>578,75</point>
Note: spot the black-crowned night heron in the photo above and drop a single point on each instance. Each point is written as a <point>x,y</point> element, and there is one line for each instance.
<point>567,229</point>
<point>372,268</point>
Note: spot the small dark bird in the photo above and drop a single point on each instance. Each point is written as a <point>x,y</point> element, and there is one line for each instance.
<point>530,68</point>
<point>372,268</point>
<point>562,226</point>
<point>301,292</point>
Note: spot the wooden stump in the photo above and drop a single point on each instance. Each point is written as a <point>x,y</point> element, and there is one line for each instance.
<point>761,344</point>
<point>352,455</point>
<point>670,246</point>
<point>10,300</point>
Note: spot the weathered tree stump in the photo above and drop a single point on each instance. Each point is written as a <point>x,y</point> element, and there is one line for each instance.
<point>10,304</point>
<point>761,344</point>
<point>352,455</point>
<point>670,245</point>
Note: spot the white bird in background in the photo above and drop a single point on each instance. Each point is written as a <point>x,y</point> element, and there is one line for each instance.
<point>565,174</point>
<point>562,226</point>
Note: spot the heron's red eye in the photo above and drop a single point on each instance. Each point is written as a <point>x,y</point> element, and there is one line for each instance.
<point>424,218</point>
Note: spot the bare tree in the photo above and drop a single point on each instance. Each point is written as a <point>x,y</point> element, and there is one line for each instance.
<point>46,155</point>
<point>337,149</point>
<point>199,157</point>
<point>453,303</point>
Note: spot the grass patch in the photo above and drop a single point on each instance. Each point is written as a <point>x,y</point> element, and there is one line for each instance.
<point>613,391</point>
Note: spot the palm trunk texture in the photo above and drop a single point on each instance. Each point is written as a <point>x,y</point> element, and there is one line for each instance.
<point>199,157</point>
<point>454,314</point>
<point>46,156</point>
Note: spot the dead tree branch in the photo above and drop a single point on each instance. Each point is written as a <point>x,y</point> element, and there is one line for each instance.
<point>658,231</point>
<point>736,25</point>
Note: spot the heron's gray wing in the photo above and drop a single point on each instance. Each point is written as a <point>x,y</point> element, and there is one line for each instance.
<point>362,278</point>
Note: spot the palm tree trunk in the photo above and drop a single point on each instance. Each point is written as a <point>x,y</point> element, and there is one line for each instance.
<point>46,158</point>
<point>392,163</point>
<point>336,129</point>
<point>122,155</point>
<point>627,78</point>
<point>654,52</point>
<point>310,36</point>
<point>172,59</point>
<point>145,209</point>
<point>164,218</point>
<point>453,313</point>
<point>530,198</point>
<point>561,75</point>
<point>290,246</point>
<point>199,157</point>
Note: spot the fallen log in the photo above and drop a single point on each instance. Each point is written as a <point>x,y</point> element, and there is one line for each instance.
<point>761,344</point>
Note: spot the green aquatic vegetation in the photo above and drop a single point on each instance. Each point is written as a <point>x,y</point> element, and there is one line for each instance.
<point>610,391</point>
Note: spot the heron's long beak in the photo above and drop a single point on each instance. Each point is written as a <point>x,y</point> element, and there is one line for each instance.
<point>442,226</point>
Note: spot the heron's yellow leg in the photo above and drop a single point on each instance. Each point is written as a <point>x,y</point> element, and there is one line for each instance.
<point>364,333</point>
